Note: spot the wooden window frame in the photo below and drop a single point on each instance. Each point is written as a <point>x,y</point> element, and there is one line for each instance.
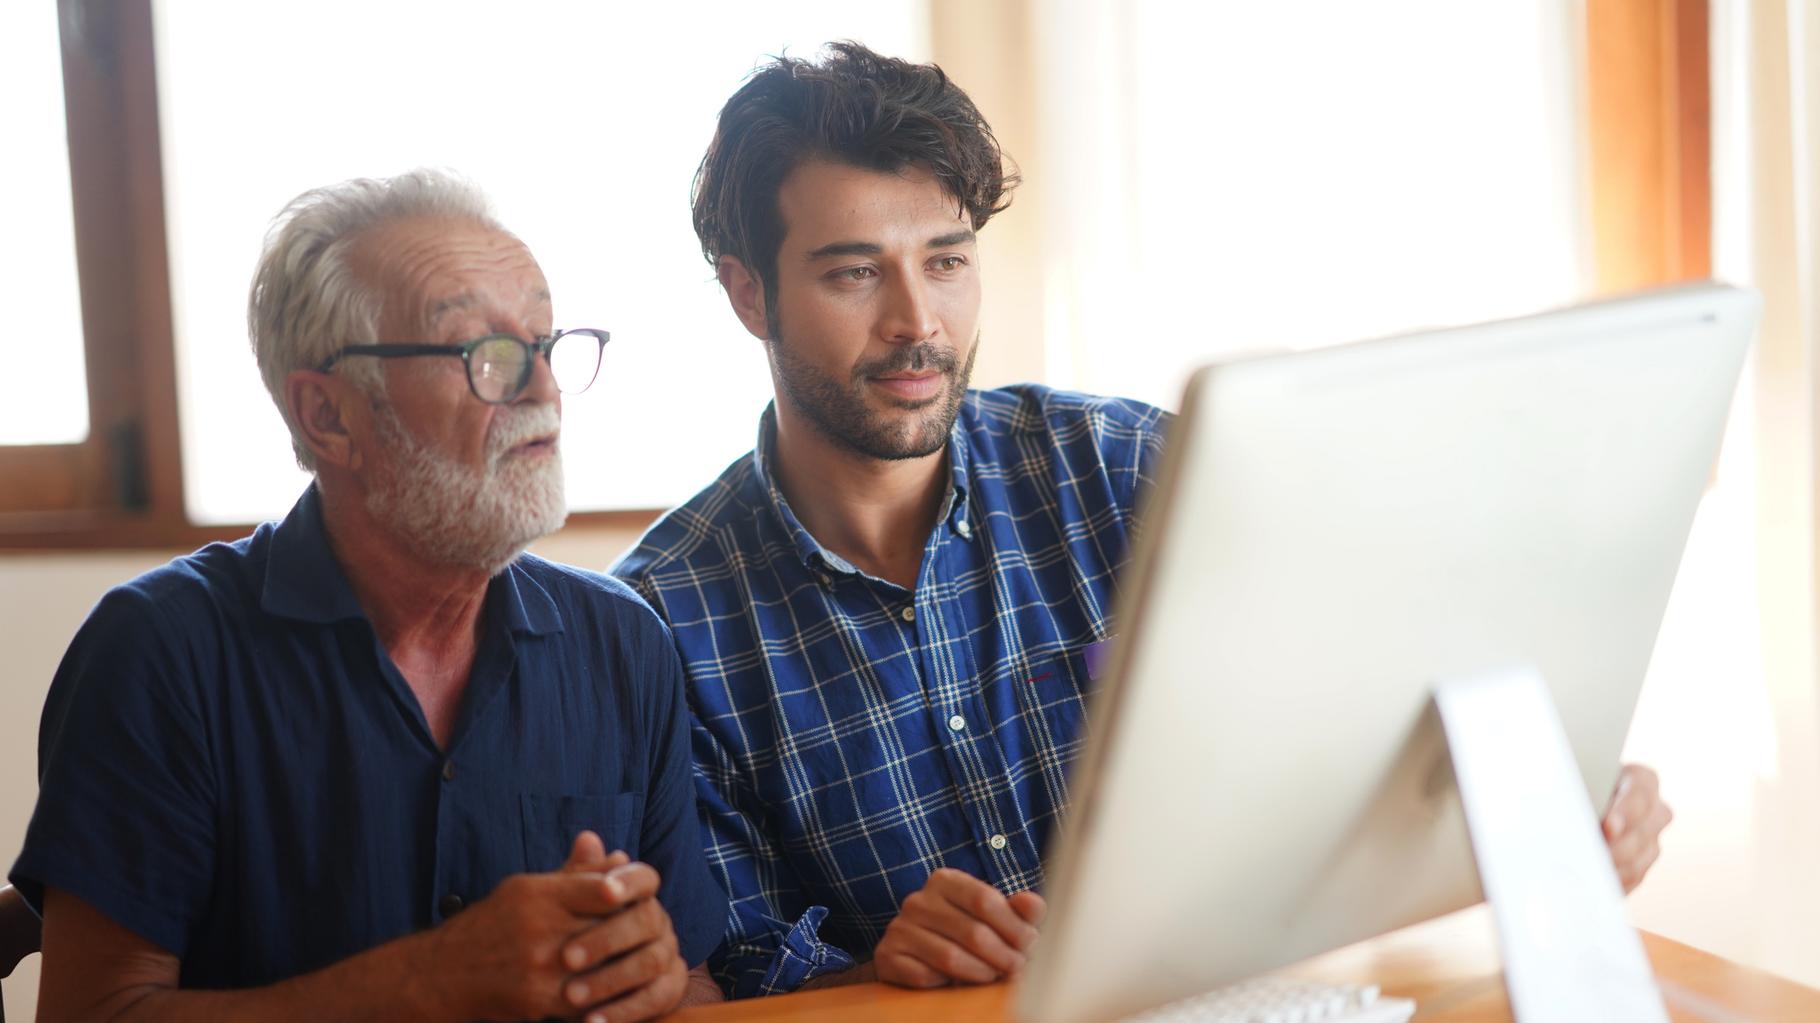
<point>125,478</point>
<point>122,488</point>
<point>1649,139</point>
<point>1649,127</point>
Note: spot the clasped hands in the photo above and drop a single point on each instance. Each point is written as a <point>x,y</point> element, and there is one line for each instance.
<point>960,930</point>
<point>587,942</point>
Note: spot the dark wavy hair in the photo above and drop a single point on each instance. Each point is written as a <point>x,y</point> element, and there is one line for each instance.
<point>854,107</point>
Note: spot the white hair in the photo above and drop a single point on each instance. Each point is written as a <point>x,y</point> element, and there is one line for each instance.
<point>307,303</point>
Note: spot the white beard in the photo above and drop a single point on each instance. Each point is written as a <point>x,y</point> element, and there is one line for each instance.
<point>452,514</point>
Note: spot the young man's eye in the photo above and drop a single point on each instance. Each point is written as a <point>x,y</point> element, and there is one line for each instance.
<point>949,264</point>
<point>856,273</point>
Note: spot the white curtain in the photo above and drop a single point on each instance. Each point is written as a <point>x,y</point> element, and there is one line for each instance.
<point>1225,178</point>
<point>1772,63</point>
<point>1204,178</point>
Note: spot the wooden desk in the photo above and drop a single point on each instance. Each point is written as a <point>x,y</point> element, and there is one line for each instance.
<point>1449,966</point>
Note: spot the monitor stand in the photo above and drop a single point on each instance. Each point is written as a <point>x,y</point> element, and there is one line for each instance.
<point>1570,954</point>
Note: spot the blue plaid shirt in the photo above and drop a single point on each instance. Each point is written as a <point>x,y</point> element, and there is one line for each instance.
<point>851,736</point>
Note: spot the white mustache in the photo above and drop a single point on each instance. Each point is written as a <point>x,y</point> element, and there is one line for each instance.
<point>514,424</point>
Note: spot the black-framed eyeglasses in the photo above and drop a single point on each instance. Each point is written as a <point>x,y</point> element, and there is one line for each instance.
<point>499,365</point>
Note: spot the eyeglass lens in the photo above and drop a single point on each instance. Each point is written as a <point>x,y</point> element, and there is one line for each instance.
<point>499,367</point>
<point>575,359</point>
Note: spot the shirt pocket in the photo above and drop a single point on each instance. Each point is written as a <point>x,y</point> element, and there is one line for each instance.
<point>551,823</point>
<point>1055,694</point>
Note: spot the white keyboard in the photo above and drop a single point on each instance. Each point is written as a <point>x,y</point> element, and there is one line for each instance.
<point>1281,1000</point>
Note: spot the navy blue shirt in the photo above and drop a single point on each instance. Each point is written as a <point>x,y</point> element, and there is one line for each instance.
<point>232,767</point>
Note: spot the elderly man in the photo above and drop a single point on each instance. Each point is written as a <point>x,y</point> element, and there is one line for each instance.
<point>885,609</point>
<point>369,762</point>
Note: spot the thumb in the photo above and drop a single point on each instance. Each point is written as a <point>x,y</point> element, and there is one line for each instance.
<point>589,853</point>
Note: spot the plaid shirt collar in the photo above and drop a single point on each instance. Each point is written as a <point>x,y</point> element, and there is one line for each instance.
<point>814,556</point>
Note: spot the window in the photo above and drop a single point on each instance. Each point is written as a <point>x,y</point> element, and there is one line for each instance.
<point>47,402</point>
<point>113,484</point>
<point>1132,188</point>
<point>583,121</point>
<point>1292,175</point>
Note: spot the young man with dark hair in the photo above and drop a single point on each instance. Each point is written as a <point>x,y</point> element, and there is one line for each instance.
<point>889,611</point>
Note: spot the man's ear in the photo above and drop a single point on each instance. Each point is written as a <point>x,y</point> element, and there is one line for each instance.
<point>746,293</point>
<point>319,403</point>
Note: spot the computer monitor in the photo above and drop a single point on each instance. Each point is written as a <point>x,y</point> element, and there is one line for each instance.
<point>1332,533</point>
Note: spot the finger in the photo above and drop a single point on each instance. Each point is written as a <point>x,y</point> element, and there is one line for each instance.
<point>906,971</point>
<point>971,933</point>
<point>1644,861</point>
<point>940,954</point>
<point>635,881</point>
<point>981,901</point>
<point>1641,825</point>
<point>1638,850</point>
<point>1640,869</point>
<point>587,852</point>
<point>1644,778</point>
<point>1637,789</point>
<point>587,894</point>
<point>1030,906</point>
<point>1626,850</point>
<point>629,972</point>
<point>1613,823</point>
<point>604,865</point>
<point>637,925</point>
<point>1620,791</point>
<point>648,1002</point>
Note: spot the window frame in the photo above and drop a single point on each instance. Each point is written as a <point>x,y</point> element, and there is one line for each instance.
<point>1649,127</point>
<point>1649,154</point>
<point>125,475</point>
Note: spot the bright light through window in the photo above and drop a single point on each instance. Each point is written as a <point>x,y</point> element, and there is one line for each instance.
<point>584,121</point>
<point>1268,176</point>
<point>47,400</point>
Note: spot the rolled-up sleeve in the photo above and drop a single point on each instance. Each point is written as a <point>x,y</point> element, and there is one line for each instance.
<point>772,944</point>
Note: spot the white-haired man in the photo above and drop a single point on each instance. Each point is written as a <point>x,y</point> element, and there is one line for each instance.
<point>368,762</point>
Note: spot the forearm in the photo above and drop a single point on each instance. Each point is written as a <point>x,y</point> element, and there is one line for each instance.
<point>396,980</point>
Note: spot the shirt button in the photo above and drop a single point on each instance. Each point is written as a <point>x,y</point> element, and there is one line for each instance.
<point>908,614</point>
<point>996,841</point>
<point>963,528</point>
<point>448,769</point>
<point>449,904</point>
<point>957,722</point>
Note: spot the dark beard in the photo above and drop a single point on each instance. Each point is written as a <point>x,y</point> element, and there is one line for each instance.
<point>838,410</point>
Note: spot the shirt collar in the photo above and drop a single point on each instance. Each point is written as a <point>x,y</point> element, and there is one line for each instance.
<point>812,553</point>
<point>304,580</point>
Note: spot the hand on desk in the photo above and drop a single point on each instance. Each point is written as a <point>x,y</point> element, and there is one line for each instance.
<point>1633,823</point>
<point>957,929</point>
<point>589,941</point>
